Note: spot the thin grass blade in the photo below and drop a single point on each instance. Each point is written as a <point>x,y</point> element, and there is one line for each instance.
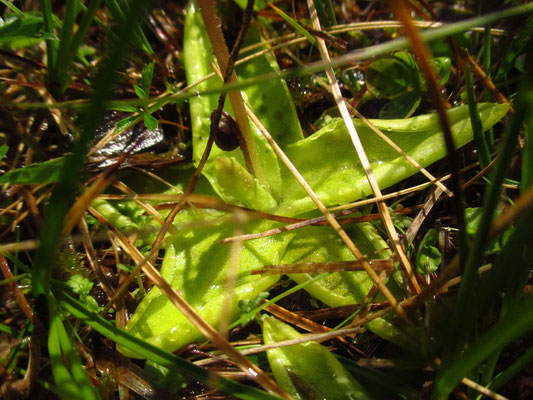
<point>155,354</point>
<point>465,312</point>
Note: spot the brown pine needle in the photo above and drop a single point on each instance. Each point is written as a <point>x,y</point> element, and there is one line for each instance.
<point>328,266</point>
<point>318,221</point>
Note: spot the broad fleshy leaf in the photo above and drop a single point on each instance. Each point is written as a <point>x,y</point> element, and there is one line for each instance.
<point>308,370</point>
<point>316,244</point>
<point>271,102</point>
<point>197,265</point>
<point>328,161</point>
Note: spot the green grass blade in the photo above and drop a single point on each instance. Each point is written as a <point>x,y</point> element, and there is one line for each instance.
<point>51,44</point>
<point>514,369</point>
<point>69,44</point>
<point>119,10</point>
<point>331,10</point>
<point>465,310</point>
<point>507,278</point>
<point>58,73</point>
<point>12,7</point>
<point>326,14</point>
<point>155,354</point>
<point>475,120</point>
<point>527,155</point>
<point>8,330</point>
<point>140,38</point>
<point>487,51</point>
<point>324,18</point>
<point>72,381</point>
<point>293,23</point>
<point>83,27</point>
<point>35,173</point>
<point>65,385</point>
<point>516,323</point>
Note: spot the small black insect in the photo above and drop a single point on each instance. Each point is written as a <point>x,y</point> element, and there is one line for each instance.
<point>228,132</point>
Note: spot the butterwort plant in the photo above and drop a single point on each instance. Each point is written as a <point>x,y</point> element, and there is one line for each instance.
<point>197,264</point>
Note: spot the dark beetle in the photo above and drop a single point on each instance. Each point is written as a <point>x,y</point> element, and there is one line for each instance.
<point>228,132</point>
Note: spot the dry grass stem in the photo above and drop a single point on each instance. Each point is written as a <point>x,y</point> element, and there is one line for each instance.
<point>318,221</point>
<point>328,266</point>
<point>311,337</point>
<point>482,389</point>
<point>421,216</point>
<point>365,163</point>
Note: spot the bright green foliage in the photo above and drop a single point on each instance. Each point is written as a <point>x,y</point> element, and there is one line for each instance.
<point>70,377</point>
<point>328,161</point>
<point>36,173</point>
<point>428,257</point>
<point>20,31</point>
<point>143,92</point>
<point>307,370</point>
<point>146,77</point>
<point>396,78</point>
<point>3,151</point>
<point>344,288</point>
<point>473,221</point>
<point>271,102</point>
<point>82,287</point>
<point>197,265</point>
<point>297,27</point>
<point>390,76</point>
